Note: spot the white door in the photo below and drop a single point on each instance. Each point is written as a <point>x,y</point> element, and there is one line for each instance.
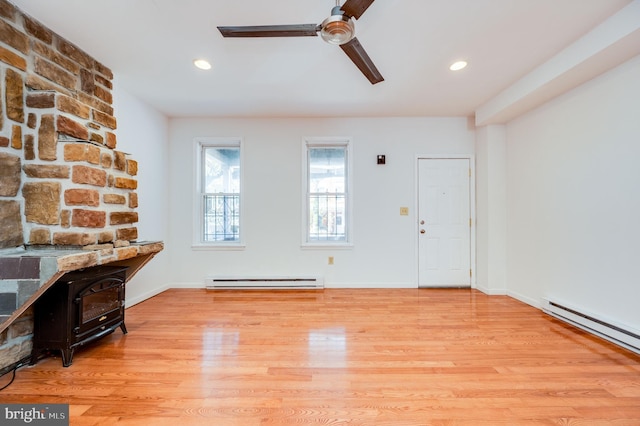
<point>444,223</point>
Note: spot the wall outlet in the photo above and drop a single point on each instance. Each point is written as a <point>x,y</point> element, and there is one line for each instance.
<point>330,260</point>
<point>404,211</point>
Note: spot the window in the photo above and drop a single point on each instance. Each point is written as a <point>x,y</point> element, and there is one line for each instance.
<point>219,191</point>
<point>327,192</point>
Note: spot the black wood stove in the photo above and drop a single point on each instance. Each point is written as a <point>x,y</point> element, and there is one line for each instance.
<point>81,307</point>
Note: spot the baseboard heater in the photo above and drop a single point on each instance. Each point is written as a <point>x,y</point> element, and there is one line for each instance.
<point>258,283</point>
<point>620,335</point>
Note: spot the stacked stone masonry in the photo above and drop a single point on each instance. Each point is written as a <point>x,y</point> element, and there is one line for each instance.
<point>61,180</point>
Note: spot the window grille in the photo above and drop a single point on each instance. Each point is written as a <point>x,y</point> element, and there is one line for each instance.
<point>221,217</point>
<point>326,222</point>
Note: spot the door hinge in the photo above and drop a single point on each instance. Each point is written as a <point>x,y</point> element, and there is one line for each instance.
<point>470,273</point>
<point>469,172</point>
<point>470,223</point>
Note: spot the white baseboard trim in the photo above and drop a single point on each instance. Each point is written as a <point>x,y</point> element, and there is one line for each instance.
<point>188,285</point>
<point>129,302</point>
<point>328,284</point>
<point>492,291</point>
<point>401,285</point>
<point>525,299</point>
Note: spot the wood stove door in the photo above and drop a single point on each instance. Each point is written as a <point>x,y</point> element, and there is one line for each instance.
<point>99,306</point>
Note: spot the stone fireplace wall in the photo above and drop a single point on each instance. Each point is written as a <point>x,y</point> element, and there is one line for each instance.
<point>62,182</point>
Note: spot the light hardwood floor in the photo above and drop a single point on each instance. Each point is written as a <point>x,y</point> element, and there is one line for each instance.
<point>337,357</point>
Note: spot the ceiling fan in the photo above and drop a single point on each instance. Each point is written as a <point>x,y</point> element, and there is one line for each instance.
<point>336,29</point>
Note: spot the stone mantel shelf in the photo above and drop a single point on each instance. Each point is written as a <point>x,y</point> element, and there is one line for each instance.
<point>58,260</point>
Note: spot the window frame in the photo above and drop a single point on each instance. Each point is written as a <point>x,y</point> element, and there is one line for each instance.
<point>327,142</point>
<point>198,242</point>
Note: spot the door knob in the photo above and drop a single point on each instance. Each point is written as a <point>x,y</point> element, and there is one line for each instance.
<point>422,231</point>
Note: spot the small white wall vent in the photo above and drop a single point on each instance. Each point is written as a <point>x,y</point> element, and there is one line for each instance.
<point>621,335</point>
<point>267,283</point>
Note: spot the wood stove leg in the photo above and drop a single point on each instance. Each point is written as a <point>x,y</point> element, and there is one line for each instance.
<point>34,356</point>
<point>67,357</point>
<point>123,328</point>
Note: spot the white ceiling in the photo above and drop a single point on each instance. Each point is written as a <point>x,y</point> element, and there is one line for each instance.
<point>150,46</point>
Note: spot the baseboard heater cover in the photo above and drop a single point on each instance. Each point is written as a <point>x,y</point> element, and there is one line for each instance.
<point>257,283</point>
<point>620,335</point>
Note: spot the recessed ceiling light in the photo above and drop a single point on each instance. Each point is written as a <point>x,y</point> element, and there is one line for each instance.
<point>202,64</point>
<point>457,66</point>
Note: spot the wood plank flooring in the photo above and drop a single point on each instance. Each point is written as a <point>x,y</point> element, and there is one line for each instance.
<point>339,357</point>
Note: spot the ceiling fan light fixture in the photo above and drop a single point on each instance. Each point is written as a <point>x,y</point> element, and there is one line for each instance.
<point>337,29</point>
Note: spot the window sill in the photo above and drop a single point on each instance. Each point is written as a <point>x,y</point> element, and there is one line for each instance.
<point>218,247</point>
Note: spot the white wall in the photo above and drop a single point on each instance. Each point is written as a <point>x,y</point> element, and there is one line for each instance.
<point>491,204</point>
<point>384,253</point>
<point>143,132</point>
<point>574,198</point>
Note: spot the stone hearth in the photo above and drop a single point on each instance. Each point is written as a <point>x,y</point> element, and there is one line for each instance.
<point>27,272</point>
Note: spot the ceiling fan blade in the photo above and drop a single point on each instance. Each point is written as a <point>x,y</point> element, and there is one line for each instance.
<point>301,30</point>
<point>356,52</point>
<point>355,8</point>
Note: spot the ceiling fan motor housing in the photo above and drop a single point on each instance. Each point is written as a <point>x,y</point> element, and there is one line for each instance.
<point>338,28</point>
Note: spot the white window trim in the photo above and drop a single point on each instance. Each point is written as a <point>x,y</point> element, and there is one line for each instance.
<point>328,142</point>
<point>197,242</point>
